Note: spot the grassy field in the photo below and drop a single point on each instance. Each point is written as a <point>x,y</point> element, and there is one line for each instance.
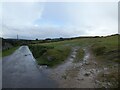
<point>9,51</point>
<point>106,49</point>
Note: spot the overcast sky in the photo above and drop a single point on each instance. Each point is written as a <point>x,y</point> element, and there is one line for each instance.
<point>31,20</point>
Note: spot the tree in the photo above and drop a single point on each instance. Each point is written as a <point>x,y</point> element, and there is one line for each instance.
<point>36,39</point>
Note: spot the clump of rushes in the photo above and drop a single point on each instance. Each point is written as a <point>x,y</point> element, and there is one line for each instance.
<point>50,56</point>
<point>79,55</point>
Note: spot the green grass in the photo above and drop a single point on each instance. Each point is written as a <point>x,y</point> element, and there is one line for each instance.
<point>79,55</point>
<point>39,50</point>
<point>9,51</point>
<point>50,55</point>
<point>106,49</point>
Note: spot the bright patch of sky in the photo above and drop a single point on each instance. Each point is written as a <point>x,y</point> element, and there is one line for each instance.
<point>31,20</point>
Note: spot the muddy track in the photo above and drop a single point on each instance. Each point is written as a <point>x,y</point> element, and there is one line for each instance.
<point>75,75</point>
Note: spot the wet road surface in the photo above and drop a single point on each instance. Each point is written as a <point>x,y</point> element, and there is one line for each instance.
<point>20,71</point>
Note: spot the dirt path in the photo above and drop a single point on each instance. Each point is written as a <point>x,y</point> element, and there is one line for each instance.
<point>75,75</point>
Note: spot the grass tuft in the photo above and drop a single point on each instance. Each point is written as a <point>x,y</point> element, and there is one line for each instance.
<point>79,55</point>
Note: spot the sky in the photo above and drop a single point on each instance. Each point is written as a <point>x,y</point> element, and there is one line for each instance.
<point>31,20</point>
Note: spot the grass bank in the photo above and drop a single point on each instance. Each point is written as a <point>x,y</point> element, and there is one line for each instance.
<point>50,55</point>
<point>9,51</point>
<point>107,54</point>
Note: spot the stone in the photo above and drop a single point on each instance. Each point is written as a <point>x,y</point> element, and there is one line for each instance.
<point>86,63</point>
<point>72,56</point>
<point>93,71</point>
<point>108,84</point>
<point>97,82</point>
<point>43,67</point>
<point>105,69</point>
<point>87,74</point>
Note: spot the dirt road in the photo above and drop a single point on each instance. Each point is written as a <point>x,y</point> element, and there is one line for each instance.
<point>20,71</point>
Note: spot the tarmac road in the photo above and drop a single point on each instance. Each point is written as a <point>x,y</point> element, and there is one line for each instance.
<point>19,71</point>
